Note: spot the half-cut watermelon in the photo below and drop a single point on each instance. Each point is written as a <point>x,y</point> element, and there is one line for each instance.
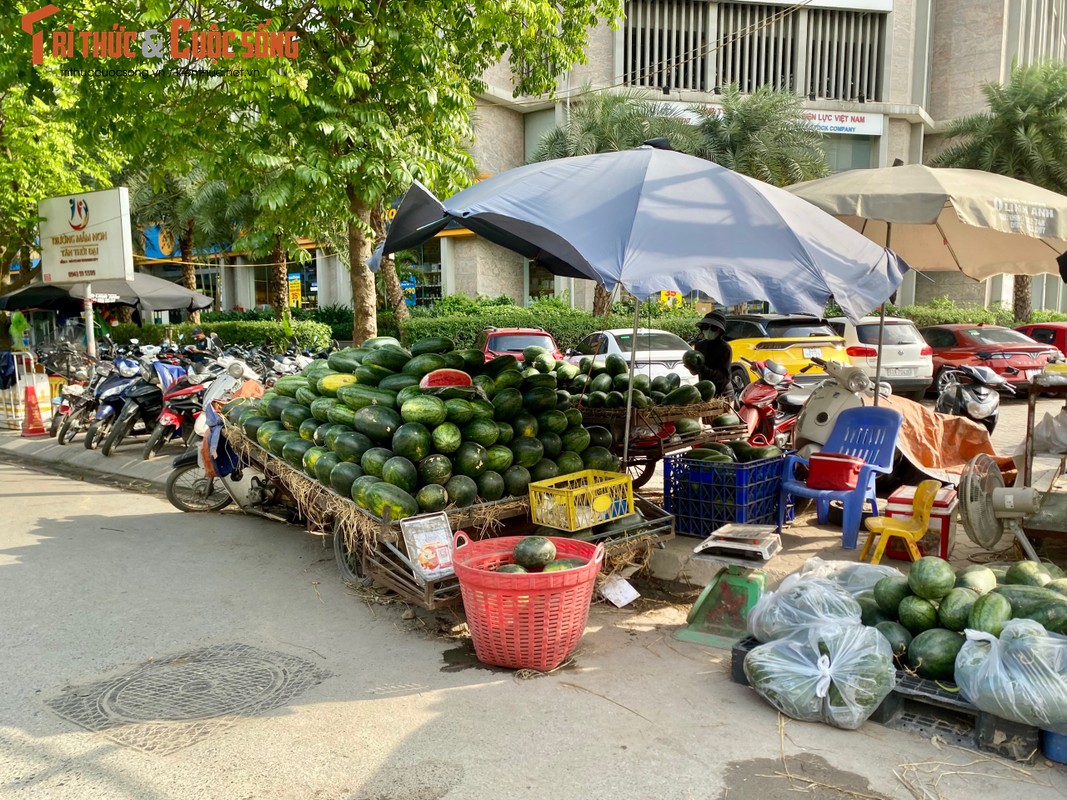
<point>445,377</point>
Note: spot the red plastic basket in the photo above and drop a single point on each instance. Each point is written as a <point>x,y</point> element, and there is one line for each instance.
<point>524,620</point>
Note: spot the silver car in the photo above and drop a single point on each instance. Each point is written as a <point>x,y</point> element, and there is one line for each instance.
<point>658,352</point>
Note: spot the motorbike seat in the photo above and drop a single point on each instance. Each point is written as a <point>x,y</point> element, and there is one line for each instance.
<point>797,396</point>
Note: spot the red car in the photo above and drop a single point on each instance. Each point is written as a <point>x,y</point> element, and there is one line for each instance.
<point>1009,353</point>
<point>1050,333</point>
<point>512,341</point>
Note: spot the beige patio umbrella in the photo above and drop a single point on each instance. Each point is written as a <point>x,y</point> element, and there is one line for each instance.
<point>977,222</point>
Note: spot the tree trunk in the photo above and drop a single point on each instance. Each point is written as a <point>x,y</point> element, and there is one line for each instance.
<point>185,247</point>
<point>1022,300</point>
<point>601,300</point>
<point>279,280</point>
<point>393,291</point>
<point>364,301</point>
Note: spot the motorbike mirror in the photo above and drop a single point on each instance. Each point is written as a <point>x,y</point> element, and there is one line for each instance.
<point>135,342</point>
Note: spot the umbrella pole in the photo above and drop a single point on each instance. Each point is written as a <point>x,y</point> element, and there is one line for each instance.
<point>90,328</point>
<point>881,328</point>
<point>630,389</point>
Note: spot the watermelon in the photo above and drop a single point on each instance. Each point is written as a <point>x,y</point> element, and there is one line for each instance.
<point>1027,573</point>
<point>399,471</point>
<point>427,410</point>
<point>373,461</point>
<point>287,385</point>
<point>458,411</point>
<point>446,438</point>
<point>599,436</point>
<point>615,364</point>
<point>917,614</point>
<point>539,399</point>
<point>499,458</point>
<point>693,360</point>
<point>517,481</point>
<point>407,393</point>
<point>483,409</point>
<point>497,365</point>
<point>870,614</point>
<point>293,452</point>
<point>1026,599</point>
<point>898,636</point>
<point>551,443</point>
<point>266,430</point>
<point>931,577</point>
<point>490,486</point>
<point>445,377</point>
<point>311,458</point>
<point>384,497</point>
<point>378,341</point>
<point>483,431</point>
<point>472,358</point>
<point>977,578</point>
<point>706,389</point>
<point>955,607</point>
<point>508,403</point>
<point>989,613</point>
<point>552,421</point>
<point>306,396</point>
<point>395,383</point>
<point>486,384</point>
<point>524,424</point>
<point>1059,586</point>
<point>378,422</point>
<point>435,468</point>
<point>324,467</point>
<point>433,344</point>
<point>329,384</point>
<point>682,396</point>
<point>341,414</point>
<point>370,374</point>
<point>527,451</point>
<point>545,362</point>
<point>576,440</point>
<point>358,396</point>
<point>420,366</point>
<point>533,552</point>
<point>569,462</point>
<point>544,470</point>
<point>432,497</point>
<point>508,379</point>
<point>471,459</point>
<point>351,445</point>
<point>933,653</point>
<point>360,487</point>
<point>334,432</point>
<point>389,357</point>
<point>505,431</point>
<point>561,564</point>
<point>462,490</point>
<point>598,458</point>
<point>511,568</point>
<point>342,476</point>
<point>250,425</point>
<point>321,407</point>
<point>413,441</point>
<point>889,591</point>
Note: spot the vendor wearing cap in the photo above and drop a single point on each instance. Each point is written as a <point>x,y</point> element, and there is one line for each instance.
<point>200,350</point>
<point>718,355</point>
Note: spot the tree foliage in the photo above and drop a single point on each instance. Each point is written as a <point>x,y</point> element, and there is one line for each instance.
<point>763,135</point>
<point>1022,134</point>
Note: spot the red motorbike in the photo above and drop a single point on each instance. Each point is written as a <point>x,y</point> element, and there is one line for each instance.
<point>763,407</point>
<point>181,405</point>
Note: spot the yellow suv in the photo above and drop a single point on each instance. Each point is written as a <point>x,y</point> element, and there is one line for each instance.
<point>791,340</point>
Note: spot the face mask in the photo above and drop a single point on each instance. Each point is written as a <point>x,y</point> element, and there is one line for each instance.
<point>710,334</point>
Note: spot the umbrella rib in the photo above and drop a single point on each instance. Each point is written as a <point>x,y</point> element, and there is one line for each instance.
<point>955,258</point>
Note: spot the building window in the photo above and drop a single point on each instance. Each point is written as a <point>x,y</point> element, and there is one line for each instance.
<point>419,271</point>
<point>848,152</point>
<point>701,46</point>
<point>846,51</point>
<point>542,283</point>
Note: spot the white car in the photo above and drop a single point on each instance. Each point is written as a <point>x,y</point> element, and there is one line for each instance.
<point>658,352</point>
<point>907,360</point>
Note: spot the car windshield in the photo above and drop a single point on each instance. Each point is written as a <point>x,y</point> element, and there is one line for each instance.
<point>997,336</point>
<point>517,342</point>
<point>650,341</point>
<point>793,328</point>
<point>895,333</point>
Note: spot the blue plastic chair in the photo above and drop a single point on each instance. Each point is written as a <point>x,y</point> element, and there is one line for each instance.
<point>869,433</point>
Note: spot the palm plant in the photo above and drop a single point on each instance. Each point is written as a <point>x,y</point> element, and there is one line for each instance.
<point>1022,134</point>
<point>763,135</point>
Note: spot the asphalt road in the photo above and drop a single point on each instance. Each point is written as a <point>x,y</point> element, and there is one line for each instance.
<point>221,657</point>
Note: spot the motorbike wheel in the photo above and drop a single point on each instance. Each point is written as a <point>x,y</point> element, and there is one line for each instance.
<point>190,490</point>
<point>349,562</point>
<point>160,436</point>
<point>944,378</point>
<point>69,427</point>
<point>119,431</point>
<point>739,378</point>
<point>57,422</point>
<point>96,432</point>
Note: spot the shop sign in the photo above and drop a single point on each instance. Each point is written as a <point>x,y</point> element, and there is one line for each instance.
<point>408,287</point>
<point>294,290</point>
<point>86,237</point>
<point>845,122</point>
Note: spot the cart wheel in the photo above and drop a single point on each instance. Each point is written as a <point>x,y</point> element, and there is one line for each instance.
<point>349,562</point>
<point>641,472</point>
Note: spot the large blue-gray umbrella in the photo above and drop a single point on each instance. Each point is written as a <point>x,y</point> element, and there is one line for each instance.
<point>656,220</point>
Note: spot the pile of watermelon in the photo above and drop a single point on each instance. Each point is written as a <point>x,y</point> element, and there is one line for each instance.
<point>602,383</point>
<point>538,554</point>
<point>924,615</point>
<point>390,428</point>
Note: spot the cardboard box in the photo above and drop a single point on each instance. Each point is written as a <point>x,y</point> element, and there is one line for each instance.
<point>940,538</point>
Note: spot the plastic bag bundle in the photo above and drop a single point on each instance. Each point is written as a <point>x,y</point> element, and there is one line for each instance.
<point>856,579</point>
<point>837,674</point>
<point>1022,676</point>
<point>799,603</point>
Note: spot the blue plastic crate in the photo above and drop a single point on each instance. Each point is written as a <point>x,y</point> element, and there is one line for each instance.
<point>705,495</point>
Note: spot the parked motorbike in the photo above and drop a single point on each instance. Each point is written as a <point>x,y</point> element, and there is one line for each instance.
<point>143,400</point>
<point>182,402</point>
<point>108,399</point>
<point>846,387</point>
<point>974,393</point>
<point>759,404</point>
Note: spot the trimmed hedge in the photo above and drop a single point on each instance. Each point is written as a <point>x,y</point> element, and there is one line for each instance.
<point>310,334</point>
<point>337,318</point>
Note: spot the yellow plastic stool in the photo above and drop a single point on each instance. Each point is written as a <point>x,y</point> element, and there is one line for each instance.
<point>910,530</point>
<point>56,384</point>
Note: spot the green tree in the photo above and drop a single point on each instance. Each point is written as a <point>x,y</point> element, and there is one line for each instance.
<point>603,122</point>
<point>763,135</point>
<point>1022,134</point>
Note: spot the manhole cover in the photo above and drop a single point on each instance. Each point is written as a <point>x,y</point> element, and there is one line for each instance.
<point>165,705</point>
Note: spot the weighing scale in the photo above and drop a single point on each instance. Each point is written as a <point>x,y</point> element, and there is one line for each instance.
<point>719,616</point>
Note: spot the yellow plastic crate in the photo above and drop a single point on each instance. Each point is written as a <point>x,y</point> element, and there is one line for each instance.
<point>581,500</point>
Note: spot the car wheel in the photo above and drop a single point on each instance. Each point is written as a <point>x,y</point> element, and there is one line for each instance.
<point>739,380</point>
